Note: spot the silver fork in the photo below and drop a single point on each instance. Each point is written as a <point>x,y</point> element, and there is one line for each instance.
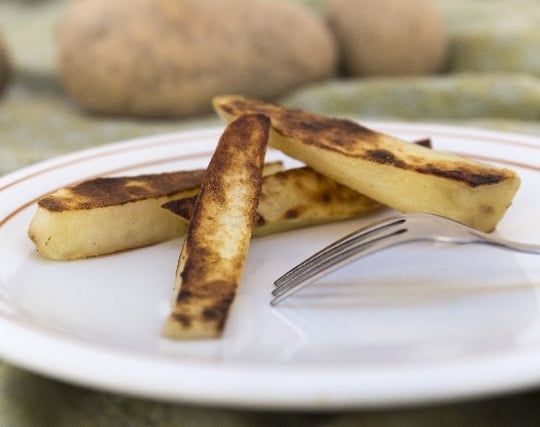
<point>381,235</point>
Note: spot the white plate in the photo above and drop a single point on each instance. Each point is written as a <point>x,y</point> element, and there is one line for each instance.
<point>412,324</point>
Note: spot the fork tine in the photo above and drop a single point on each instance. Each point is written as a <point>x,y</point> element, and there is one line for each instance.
<point>310,262</point>
<point>365,240</point>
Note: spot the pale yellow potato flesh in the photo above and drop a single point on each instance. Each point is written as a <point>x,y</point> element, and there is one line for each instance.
<point>100,231</point>
<point>401,175</point>
<point>303,197</point>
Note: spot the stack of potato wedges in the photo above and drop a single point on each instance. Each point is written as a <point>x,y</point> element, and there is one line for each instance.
<point>349,171</point>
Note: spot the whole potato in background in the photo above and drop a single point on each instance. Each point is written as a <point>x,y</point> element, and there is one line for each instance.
<point>388,37</point>
<point>168,58</point>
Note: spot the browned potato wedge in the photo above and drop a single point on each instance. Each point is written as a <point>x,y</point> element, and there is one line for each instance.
<point>404,176</point>
<point>106,215</point>
<point>217,239</point>
<point>296,198</point>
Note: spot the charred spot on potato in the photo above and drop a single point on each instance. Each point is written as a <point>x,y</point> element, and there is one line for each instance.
<point>52,204</point>
<point>260,220</point>
<point>292,213</point>
<point>182,319</point>
<point>212,313</point>
<point>219,307</point>
<point>325,198</point>
<point>426,142</point>
<point>182,207</point>
<point>385,157</point>
<point>315,129</point>
<point>103,192</point>
<point>463,174</point>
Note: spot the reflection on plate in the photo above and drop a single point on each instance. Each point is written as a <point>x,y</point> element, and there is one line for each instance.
<point>414,324</point>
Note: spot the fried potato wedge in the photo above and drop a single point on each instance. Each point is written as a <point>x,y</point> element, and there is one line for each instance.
<point>404,176</point>
<point>215,247</point>
<point>296,198</point>
<point>106,215</point>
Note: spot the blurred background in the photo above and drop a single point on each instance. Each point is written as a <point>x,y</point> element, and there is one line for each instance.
<point>81,73</point>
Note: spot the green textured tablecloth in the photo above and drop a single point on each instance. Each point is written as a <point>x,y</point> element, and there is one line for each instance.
<point>493,81</point>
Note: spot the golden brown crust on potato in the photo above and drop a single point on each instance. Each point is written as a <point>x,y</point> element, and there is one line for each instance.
<point>404,176</point>
<point>354,140</point>
<point>295,198</point>
<point>103,192</point>
<point>217,240</point>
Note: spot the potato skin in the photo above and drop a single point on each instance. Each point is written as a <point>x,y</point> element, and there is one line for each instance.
<point>168,58</point>
<point>390,37</point>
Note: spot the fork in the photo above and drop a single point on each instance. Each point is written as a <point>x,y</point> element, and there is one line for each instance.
<point>381,235</point>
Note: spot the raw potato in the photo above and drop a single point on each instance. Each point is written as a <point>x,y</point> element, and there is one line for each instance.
<point>389,37</point>
<point>212,258</point>
<point>296,198</point>
<point>168,58</point>
<point>401,175</point>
